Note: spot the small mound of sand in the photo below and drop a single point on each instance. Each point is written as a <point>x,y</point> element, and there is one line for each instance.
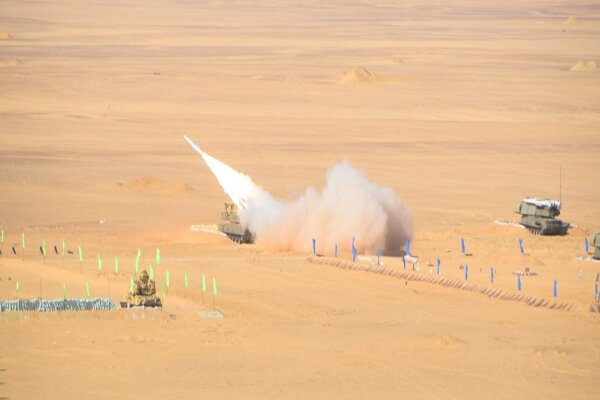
<point>444,340</point>
<point>572,20</point>
<point>153,185</point>
<point>4,36</point>
<point>585,65</point>
<point>13,62</point>
<point>358,75</point>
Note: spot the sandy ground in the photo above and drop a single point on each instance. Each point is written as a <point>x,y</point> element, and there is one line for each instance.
<point>464,109</point>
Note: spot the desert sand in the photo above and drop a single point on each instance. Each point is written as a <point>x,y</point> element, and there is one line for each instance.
<point>475,106</point>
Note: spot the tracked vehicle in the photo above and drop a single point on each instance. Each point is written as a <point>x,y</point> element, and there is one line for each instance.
<point>596,244</point>
<point>230,225</point>
<point>539,216</point>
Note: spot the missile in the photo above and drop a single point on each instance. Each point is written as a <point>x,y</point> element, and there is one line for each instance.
<point>237,186</point>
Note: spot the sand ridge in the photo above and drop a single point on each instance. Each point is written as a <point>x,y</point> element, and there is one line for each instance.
<point>154,185</point>
<point>12,62</point>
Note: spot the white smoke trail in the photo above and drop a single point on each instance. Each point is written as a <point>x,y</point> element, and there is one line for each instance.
<point>348,206</point>
<point>237,186</point>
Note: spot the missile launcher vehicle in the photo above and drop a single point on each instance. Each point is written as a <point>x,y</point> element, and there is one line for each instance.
<point>230,225</point>
<point>539,216</point>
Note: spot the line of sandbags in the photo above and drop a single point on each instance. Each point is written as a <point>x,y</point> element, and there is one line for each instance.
<point>41,305</point>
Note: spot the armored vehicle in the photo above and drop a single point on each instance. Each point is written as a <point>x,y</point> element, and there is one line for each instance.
<point>230,225</point>
<point>539,216</point>
<point>596,244</point>
<point>143,293</point>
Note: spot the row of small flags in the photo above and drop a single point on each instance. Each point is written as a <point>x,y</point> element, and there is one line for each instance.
<point>465,268</point>
<point>463,248</point>
<point>519,284</point>
<point>158,256</point>
<point>406,249</point>
<point>99,259</point>
<point>165,286</point>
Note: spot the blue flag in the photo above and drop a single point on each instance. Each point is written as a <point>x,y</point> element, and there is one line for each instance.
<point>492,275</point>
<point>555,288</point>
<point>519,282</point>
<point>586,246</point>
<point>314,242</point>
<point>439,262</point>
<point>353,254</point>
<point>466,272</point>
<point>408,247</point>
<point>462,245</point>
<point>521,246</point>
<point>335,250</point>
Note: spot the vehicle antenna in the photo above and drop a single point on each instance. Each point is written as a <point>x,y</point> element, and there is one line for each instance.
<point>560,184</point>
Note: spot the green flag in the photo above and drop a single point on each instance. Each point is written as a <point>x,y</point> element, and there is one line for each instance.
<point>17,287</point>
<point>130,285</point>
<point>116,265</point>
<point>137,261</point>
<point>87,289</point>
<point>64,290</point>
<point>99,263</point>
<point>185,280</point>
<point>164,292</point>
<point>23,240</point>
<point>43,247</point>
<point>168,276</point>
<point>151,273</point>
<point>2,236</point>
<point>157,256</point>
<point>80,254</point>
<point>214,287</point>
<point>64,246</point>
<point>203,282</point>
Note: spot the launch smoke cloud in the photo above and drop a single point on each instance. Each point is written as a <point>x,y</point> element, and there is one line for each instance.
<point>349,205</point>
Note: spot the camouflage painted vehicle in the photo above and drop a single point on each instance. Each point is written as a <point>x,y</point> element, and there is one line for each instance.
<point>230,225</point>
<point>539,216</point>
<point>144,293</point>
<point>596,244</point>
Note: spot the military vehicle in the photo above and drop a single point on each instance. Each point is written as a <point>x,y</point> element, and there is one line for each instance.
<point>230,225</point>
<point>596,244</point>
<point>143,293</point>
<point>539,216</point>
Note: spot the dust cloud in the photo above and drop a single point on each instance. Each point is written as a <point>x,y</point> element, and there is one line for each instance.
<point>348,206</point>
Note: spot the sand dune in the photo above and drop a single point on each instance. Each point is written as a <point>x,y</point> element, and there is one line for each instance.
<point>153,185</point>
<point>358,75</point>
<point>585,66</point>
<point>13,62</point>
